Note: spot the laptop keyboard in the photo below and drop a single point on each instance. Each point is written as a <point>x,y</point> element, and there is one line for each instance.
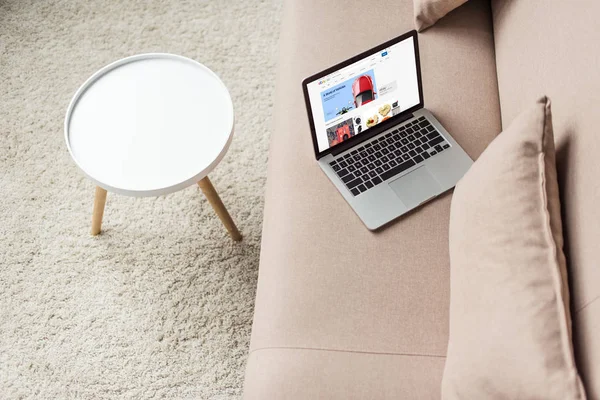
<point>388,155</point>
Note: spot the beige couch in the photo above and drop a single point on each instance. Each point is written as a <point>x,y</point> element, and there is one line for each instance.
<point>344,313</point>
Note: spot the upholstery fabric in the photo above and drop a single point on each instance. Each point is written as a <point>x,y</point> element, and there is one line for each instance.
<point>509,313</point>
<point>325,281</point>
<point>552,47</point>
<point>428,12</point>
<point>321,374</point>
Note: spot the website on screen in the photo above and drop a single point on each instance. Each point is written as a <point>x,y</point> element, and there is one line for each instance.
<point>352,100</point>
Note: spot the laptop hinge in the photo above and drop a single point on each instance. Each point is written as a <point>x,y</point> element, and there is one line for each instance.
<point>345,146</point>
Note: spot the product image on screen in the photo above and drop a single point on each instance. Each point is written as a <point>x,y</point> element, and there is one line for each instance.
<point>346,96</point>
<point>340,132</point>
<point>361,95</point>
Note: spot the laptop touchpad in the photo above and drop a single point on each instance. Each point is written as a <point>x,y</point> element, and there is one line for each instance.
<point>415,187</point>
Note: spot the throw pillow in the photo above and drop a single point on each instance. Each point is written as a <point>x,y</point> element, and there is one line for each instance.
<point>427,12</point>
<point>510,326</point>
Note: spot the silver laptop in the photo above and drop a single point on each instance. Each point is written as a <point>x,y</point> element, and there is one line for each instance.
<point>374,139</point>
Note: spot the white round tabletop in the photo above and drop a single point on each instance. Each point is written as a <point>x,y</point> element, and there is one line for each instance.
<point>149,124</point>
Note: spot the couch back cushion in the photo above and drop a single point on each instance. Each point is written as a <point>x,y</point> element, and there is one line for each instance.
<point>552,47</point>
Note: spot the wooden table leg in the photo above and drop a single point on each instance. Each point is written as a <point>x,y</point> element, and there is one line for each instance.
<point>215,201</point>
<point>99,202</point>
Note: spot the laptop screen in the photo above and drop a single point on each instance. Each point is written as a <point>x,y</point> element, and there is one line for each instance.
<point>349,101</point>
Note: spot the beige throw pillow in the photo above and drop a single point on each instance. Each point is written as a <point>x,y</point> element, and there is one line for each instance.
<point>427,12</point>
<point>510,330</point>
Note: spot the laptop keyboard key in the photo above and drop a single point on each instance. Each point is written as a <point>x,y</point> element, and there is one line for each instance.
<point>370,150</point>
<point>385,159</point>
<point>369,184</point>
<point>342,172</point>
<point>405,156</point>
<point>336,168</point>
<point>393,163</point>
<point>432,135</point>
<point>353,183</point>
<point>426,155</point>
<point>372,174</point>
<point>404,149</point>
<point>412,153</point>
<point>411,146</point>
<point>438,148</point>
<point>361,188</point>
<point>418,159</point>
<point>436,141</point>
<point>379,170</point>
<point>343,164</point>
<point>446,146</point>
<point>378,163</point>
<point>377,180</point>
<point>355,192</point>
<point>364,170</point>
<point>348,178</point>
<point>397,169</point>
<point>386,167</point>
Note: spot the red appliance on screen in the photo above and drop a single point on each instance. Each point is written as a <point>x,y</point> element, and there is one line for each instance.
<point>362,90</point>
<point>343,133</point>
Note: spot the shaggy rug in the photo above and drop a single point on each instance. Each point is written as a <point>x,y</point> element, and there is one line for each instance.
<point>160,304</point>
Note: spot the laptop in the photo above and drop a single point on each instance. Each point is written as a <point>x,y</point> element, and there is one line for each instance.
<point>373,137</point>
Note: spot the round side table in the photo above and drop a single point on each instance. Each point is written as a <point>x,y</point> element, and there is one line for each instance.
<point>148,125</point>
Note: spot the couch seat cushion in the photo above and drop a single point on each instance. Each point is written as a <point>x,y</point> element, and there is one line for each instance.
<point>326,283</point>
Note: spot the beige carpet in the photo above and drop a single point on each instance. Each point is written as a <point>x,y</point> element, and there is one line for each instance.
<point>160,305</point>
